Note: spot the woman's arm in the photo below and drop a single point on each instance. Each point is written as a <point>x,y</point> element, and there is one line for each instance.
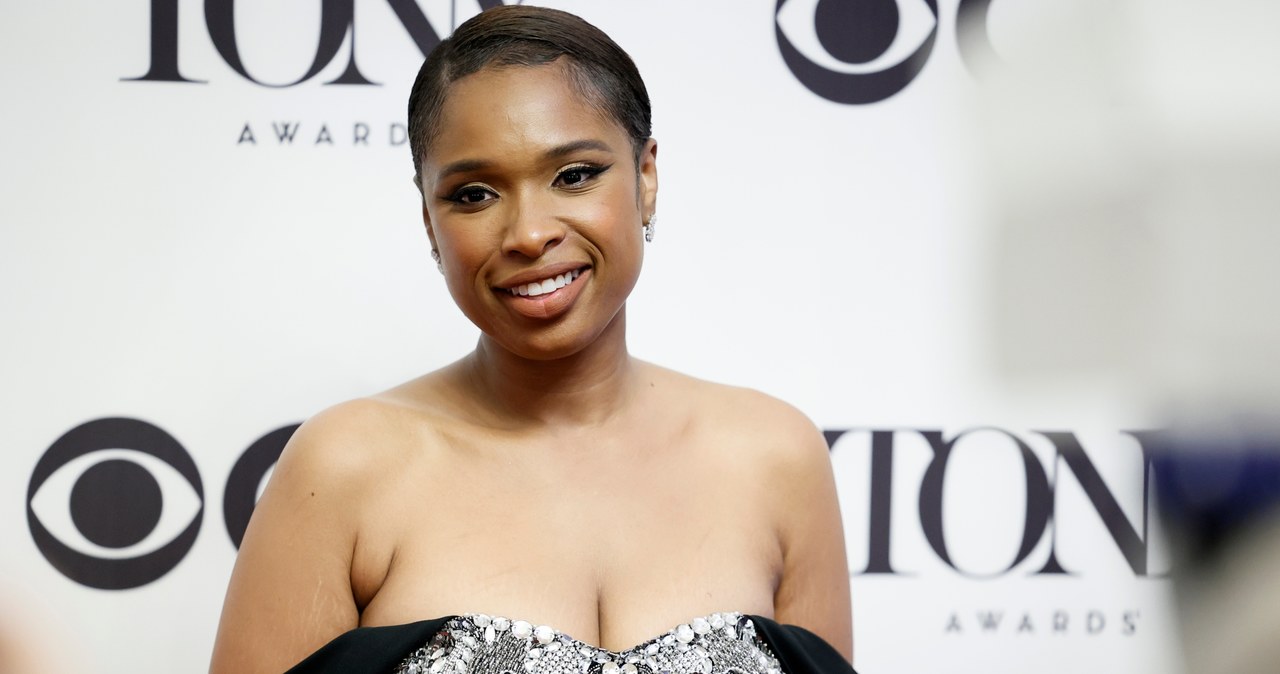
<point>290,591</point>
<point>814,589</point>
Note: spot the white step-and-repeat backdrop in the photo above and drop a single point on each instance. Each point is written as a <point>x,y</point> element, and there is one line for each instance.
<point>208,233</point>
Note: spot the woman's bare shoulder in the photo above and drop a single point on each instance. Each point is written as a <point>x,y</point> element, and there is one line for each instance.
<point>296,582</point>
<point>745,419</point>
<point>766,439</point>
<point>365,437</point>
<point>349,438</point>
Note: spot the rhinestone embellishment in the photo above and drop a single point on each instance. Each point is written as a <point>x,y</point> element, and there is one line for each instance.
<point>721,643</point>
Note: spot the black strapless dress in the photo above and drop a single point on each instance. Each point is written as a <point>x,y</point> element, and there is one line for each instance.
<point>721,643</point>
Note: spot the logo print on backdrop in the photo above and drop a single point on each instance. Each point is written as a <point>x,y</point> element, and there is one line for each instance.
<point>834,46</point>
<point>860,51</point>
<point>337,27</point>
<point>107,501</point>
<point>1042,486</point>
<point>247,478</point>
<point>115,503</point>
<point>971,33</point>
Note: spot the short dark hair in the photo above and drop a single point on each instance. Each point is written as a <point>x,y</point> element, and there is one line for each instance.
<point>516,35</point>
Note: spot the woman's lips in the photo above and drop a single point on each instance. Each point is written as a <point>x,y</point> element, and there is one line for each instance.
<point>547,298</point>
<point>548,285</point>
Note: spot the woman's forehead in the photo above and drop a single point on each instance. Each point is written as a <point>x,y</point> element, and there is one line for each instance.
<point>505,112</point>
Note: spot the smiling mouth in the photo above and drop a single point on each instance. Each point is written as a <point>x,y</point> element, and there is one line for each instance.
<point>545,286</point>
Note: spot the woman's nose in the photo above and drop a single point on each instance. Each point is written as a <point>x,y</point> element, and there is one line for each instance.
<point>531,232</point>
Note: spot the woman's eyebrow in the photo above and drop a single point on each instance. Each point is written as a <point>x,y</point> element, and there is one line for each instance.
<point>557,152</point>
<point>463,166</point>
<point>577,146</point>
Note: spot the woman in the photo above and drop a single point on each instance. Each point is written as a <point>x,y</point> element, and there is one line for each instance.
<point>548,478</point>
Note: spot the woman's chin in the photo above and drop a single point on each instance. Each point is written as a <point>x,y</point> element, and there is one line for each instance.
<point>559,340</point>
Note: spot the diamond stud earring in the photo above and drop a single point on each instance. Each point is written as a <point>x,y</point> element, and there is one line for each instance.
<point>649,227</point>
<point>435,255</point>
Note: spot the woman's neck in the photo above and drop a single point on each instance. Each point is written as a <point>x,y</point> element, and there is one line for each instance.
<point>585,388</point>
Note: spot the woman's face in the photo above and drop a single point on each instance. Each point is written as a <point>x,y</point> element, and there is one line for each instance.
<point>534,201</point>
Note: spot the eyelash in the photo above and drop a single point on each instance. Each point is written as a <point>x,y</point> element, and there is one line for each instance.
<point>588,172</point>
<point>459,197</point>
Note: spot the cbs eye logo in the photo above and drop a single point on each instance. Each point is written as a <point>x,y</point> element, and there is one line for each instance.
<point>864,51</point>
<point>117,503</point>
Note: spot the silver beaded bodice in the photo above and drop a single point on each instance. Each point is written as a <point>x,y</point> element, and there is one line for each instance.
<point>721,643</point>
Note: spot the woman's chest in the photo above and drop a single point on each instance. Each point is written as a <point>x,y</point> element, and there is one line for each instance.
<point>616,610</point>
<point>611,553</point>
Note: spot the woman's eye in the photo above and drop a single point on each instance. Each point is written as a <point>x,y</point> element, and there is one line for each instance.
<point>578,175</point>
<point>471,195</point>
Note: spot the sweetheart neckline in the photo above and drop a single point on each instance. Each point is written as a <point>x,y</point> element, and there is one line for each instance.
<point>377,649</point>
<point>684,632</point>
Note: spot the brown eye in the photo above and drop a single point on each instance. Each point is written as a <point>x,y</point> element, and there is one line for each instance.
<point>578,176</point>
<point>472,195</point>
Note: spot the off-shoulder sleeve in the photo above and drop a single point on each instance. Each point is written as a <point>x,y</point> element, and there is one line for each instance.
<point>371,650</point>
<point>799,650</point>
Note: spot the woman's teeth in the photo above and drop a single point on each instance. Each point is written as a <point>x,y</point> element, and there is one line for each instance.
<point>545,286</point>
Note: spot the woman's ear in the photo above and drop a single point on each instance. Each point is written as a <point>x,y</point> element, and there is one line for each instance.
<point>648,179</point>
<point>426,216</point>
<point>426,222</point>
